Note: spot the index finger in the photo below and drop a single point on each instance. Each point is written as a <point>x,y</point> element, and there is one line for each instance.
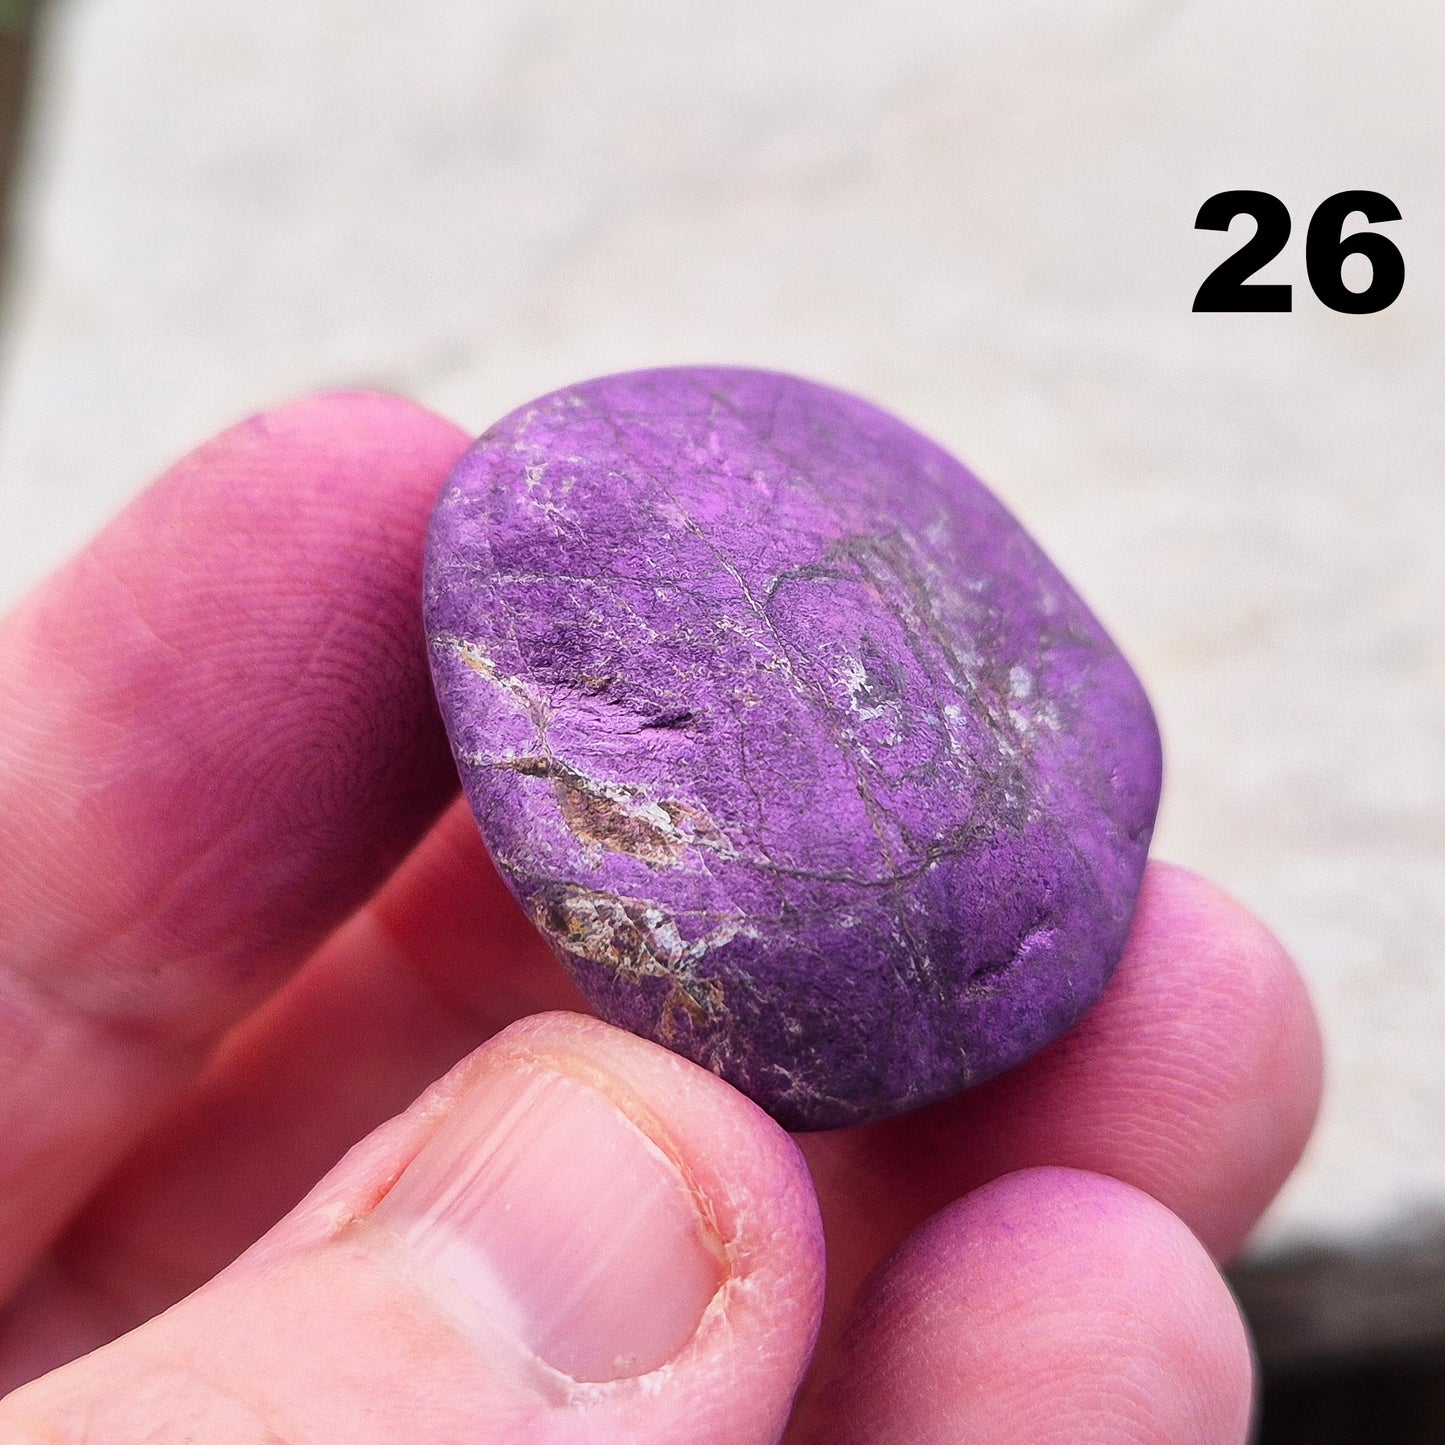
<point>217,736</point>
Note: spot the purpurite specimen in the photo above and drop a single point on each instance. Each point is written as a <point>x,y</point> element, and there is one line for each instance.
<point>804,756</point>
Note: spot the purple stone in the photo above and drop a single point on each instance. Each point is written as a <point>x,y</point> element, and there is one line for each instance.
<point>804,756</point>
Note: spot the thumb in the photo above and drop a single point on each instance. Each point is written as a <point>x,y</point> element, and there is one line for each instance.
<point>574,1237</point>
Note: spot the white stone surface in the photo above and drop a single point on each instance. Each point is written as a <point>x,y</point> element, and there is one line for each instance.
<point>978,214</point>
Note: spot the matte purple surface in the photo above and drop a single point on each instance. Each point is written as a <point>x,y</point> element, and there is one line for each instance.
<point>802,753</point>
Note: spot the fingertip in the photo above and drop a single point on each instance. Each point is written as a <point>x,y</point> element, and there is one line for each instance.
<point>1190,916</point>
<point>1209,1044</point>
<point>1052,1305</point>
<point>217,719</point>
<point>355,418</point>
<point>217,737</point>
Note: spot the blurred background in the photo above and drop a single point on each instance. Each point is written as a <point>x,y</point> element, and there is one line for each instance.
<point>979,214</point>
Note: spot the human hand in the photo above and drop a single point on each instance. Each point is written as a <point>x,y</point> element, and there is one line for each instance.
<point>242,923</point>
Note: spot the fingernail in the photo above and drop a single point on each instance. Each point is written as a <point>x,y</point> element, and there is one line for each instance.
<point>540,1209</point>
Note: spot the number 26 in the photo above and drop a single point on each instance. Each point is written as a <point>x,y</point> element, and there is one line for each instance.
<point>1224,288</point>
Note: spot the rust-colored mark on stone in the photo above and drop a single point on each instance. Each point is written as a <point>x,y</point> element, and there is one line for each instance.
<point>620,818</point>
<point>636,939</point>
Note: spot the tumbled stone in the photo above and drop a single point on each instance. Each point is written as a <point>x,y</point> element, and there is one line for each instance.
<point>799,750</point>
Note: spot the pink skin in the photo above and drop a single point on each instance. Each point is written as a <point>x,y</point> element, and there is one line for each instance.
<point>1049,1307</point>
<point>236,665</point>
<point>215,675</point>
